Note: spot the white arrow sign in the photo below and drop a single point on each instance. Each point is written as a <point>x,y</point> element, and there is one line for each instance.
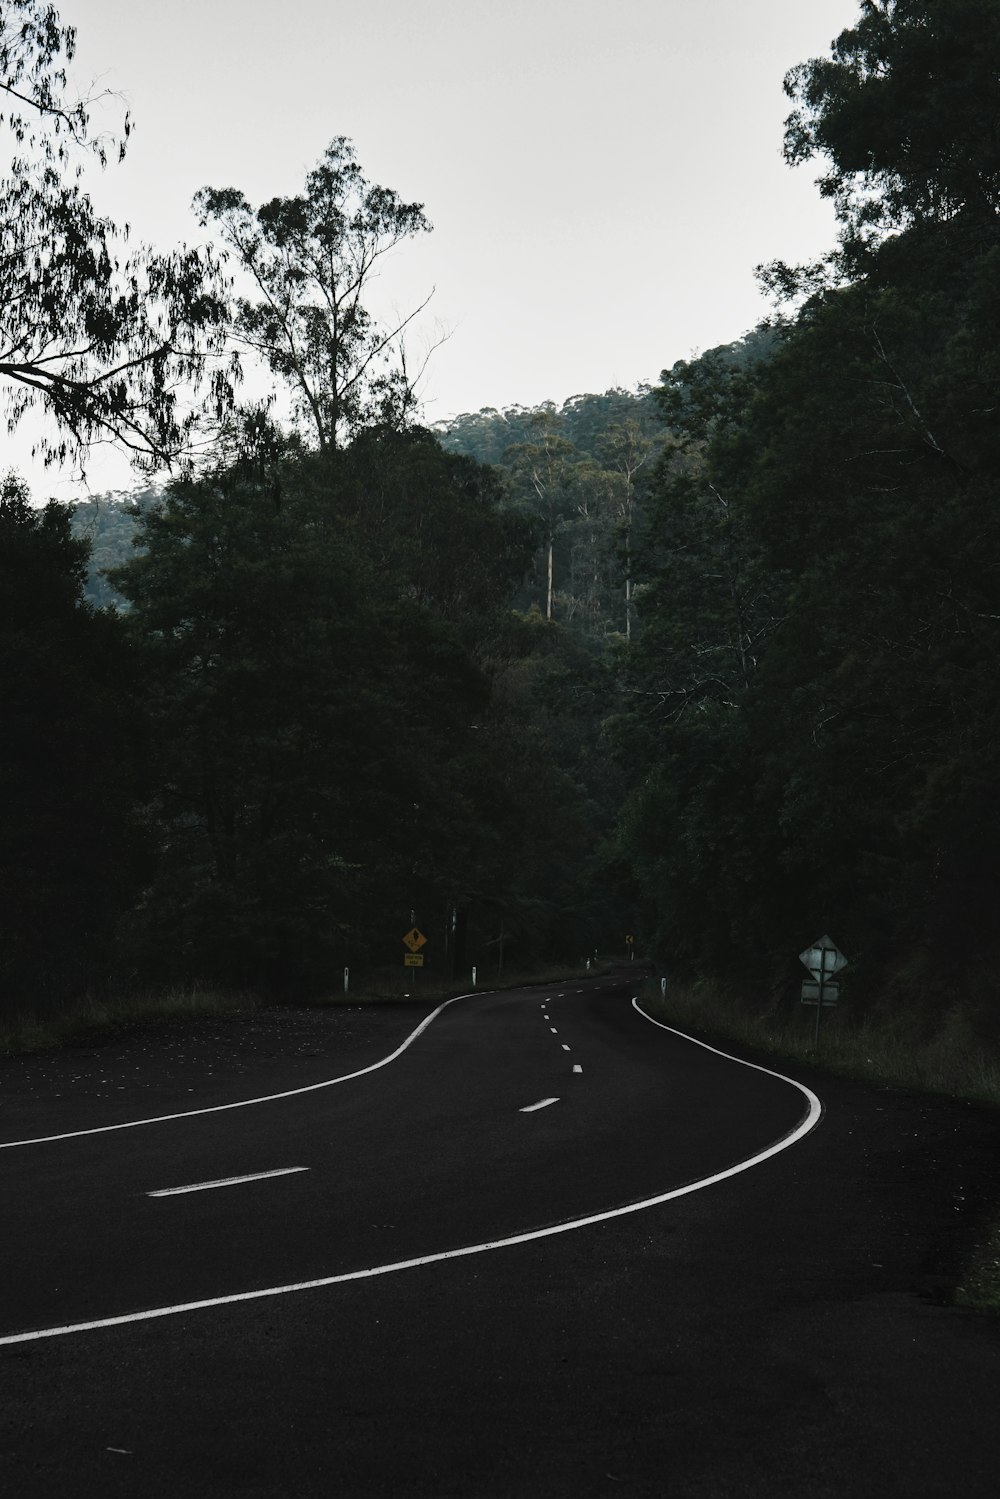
<point>823,959</point>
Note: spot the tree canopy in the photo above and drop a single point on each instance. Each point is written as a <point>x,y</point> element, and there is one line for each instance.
<point>110,343</point>
<point>310,259</point>
<point>809,708</point>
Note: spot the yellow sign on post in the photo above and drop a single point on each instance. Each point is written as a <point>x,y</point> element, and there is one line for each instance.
<point>414,940</point>
<point>413,960</point>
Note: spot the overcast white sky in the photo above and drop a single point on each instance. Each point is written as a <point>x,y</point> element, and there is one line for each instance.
<point>602,175</point>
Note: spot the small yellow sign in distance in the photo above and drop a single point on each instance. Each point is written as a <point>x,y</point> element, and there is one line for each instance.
<point>415,940</point>
<point>413,960</point>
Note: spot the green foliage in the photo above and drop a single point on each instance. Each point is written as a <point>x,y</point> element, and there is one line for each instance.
<point>553,791</point>
<point>813,722</point>
<point>904,111</point>
<point>101,339</point>
<point>69,761</point>
<point>107,522</point>
<point>577,473</point>
<point>307,628</point>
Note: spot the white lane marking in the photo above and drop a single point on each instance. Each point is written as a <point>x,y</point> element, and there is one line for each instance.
<point>577,1067</point>
<point>809,1121</point>
<point>246,1103</point>
<point>227,1181</point>
<point>565,1047</point>
<point>543,1103</point>
<point>553,1030</point>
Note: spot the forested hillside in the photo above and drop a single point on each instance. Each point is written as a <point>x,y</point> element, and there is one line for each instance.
<point>713,663</point>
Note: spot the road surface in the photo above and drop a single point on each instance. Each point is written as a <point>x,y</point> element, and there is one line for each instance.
<point>538,1246</point>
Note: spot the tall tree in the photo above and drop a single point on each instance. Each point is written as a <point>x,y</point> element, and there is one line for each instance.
<point>542,475</point>
<point>310,260</point>
<point>848,780</point>
<point>626,449</point>
<point>904,113</point>
<point>104,341</point>
<point>69,763</point>
<point>314,698</point>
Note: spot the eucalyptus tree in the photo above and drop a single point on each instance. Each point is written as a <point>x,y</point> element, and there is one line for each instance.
<point>310,260</point>
<point>626,450</point>
<point>542,476</point>
<point>111,344</point>
<point>903,116</point>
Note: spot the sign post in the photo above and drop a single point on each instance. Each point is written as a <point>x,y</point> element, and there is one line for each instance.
<point>414,941</point>
<point>823,960</point>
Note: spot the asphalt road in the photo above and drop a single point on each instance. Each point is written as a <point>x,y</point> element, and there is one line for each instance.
<point>774,1331</point>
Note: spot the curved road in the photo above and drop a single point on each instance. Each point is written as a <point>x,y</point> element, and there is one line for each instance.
<point>506,1114</point>
<point>762,1331</point>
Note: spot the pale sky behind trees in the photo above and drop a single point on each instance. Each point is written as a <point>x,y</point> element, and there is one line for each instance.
<point>602,175</point>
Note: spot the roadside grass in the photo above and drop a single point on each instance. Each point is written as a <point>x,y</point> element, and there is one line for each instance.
<point>952,1061</point>
<point>887,1052</point>
<point>30,1030</point>
<point>38,1030</point>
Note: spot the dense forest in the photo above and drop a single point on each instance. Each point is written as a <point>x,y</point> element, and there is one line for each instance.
<point>711,662</point>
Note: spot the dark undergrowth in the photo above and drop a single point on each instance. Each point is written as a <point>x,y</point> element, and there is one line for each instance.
<point>29,1028</point>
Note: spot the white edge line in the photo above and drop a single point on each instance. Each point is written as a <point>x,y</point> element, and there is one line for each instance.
<point>812,1117</point>
<point>227,1181</point>
<point>246,1103</point>
<point>542,1103</point>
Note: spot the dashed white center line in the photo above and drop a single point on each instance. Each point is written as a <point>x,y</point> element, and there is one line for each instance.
<point>577,1067</point>
<point>565,1047</point>
<point>543,1103</point>
<point>553,1030</point>
<point>227,1181</point>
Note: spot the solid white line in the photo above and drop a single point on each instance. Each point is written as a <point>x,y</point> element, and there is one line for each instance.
<point>810,1119</point>
<point>226,1181</point>
<point>530,1108</point>
<point>246,1103</point>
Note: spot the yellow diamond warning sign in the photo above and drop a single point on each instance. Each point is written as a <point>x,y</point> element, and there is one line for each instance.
<point>414,940</point>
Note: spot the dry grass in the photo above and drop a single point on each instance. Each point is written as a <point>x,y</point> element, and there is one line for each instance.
<point>31,1030</point>
<point>894,1051</point>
